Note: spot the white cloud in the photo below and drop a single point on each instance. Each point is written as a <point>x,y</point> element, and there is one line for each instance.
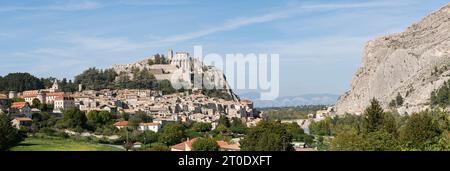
<point>273,16</point>
<point>101,44</point>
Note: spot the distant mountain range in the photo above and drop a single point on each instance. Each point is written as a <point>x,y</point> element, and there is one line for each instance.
<point>287,101</point>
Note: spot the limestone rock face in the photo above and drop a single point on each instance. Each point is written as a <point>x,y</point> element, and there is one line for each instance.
<point>412,63</point>
<point>208,74</point>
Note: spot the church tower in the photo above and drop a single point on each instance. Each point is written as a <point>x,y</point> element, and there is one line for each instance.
<point>55,86</point>
<point>170,55</point>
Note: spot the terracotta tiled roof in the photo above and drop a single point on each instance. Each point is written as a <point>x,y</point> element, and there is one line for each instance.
<point>59,94</point>
<point>3,97</point>
<point>18,105</point>
<point>182,146</point>
<point>30,93</point>
<point>24,119</point>
<point>227,146</point>
<point>121,123</point>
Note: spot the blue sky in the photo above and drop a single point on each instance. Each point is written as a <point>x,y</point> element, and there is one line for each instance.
<point>320,42</point>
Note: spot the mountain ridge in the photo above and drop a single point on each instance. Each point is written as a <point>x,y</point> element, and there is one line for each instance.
<point>411,64</point>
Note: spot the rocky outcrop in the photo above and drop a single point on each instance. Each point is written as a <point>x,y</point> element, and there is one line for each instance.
<point>186,73</point>
<point>412,63</point>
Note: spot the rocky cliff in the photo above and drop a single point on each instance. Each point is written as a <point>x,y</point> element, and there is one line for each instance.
<point>210,74</point>
<point>412,63</point>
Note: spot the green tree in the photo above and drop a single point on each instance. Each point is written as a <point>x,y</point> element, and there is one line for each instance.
<point>220,129</point>
<point>390,124</point>
<point>296,131</point>
<point>323,127</point>
<point>139,117</point>
<point>443,143</point>
<point>92,116</point>
<point>441,96</point>
<point>20,82</point>
<point>237,126</point>
<point>74,118</point>
<point>223,120</point>
<point>41,120</point>
<point>381,141</point>
<point>171,134</point>
<point>99,118</point>
<point>143,117</point>
<point>18,99</point>
<point>125,116</point>
<point>148,137</point>
<point>158,147</point>
<point>267,136</point>
<point>36,103</point>
<point>9,136</point>
<point>373,117</point>
<point>201,127</point>
<point>420,131</point>
<point>308,140</point>
<point>348,141</point>
<point>105,117</point>
<point>205,144</point>
<point>166,87</point>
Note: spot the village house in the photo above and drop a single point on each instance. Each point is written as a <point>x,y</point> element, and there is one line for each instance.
<point>21,109</point>
<point>154,126</point>
<point>44,95</point>
<point>173,107</point>
<point>121,124</point>
<point>3,99</point>
<point>28,96</point>
<point>225,146</point>
<point>51,97</point>
<point>21,122</point>
<point>184,146</point>
<point>62,103</point>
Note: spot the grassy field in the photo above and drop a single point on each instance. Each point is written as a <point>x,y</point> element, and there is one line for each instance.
<point>44,144</point>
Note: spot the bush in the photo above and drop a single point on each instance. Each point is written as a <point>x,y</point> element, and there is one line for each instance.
<point>420,131</point>
<point>205,144</point>
<point>62,134</point>
<point>158,147</point>
<point>47,131</point>
<point>268,136</point>
<point>9,136</point>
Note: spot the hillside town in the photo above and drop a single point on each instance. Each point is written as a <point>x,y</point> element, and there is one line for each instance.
<point>173,107</point>
<point>178,107</point>
<point>223,115</point>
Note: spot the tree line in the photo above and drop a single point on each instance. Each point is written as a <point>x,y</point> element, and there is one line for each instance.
<point>19,82</point>
<point>377,130</point>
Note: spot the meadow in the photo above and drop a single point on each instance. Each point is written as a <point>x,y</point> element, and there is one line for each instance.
<point>59,144</point>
